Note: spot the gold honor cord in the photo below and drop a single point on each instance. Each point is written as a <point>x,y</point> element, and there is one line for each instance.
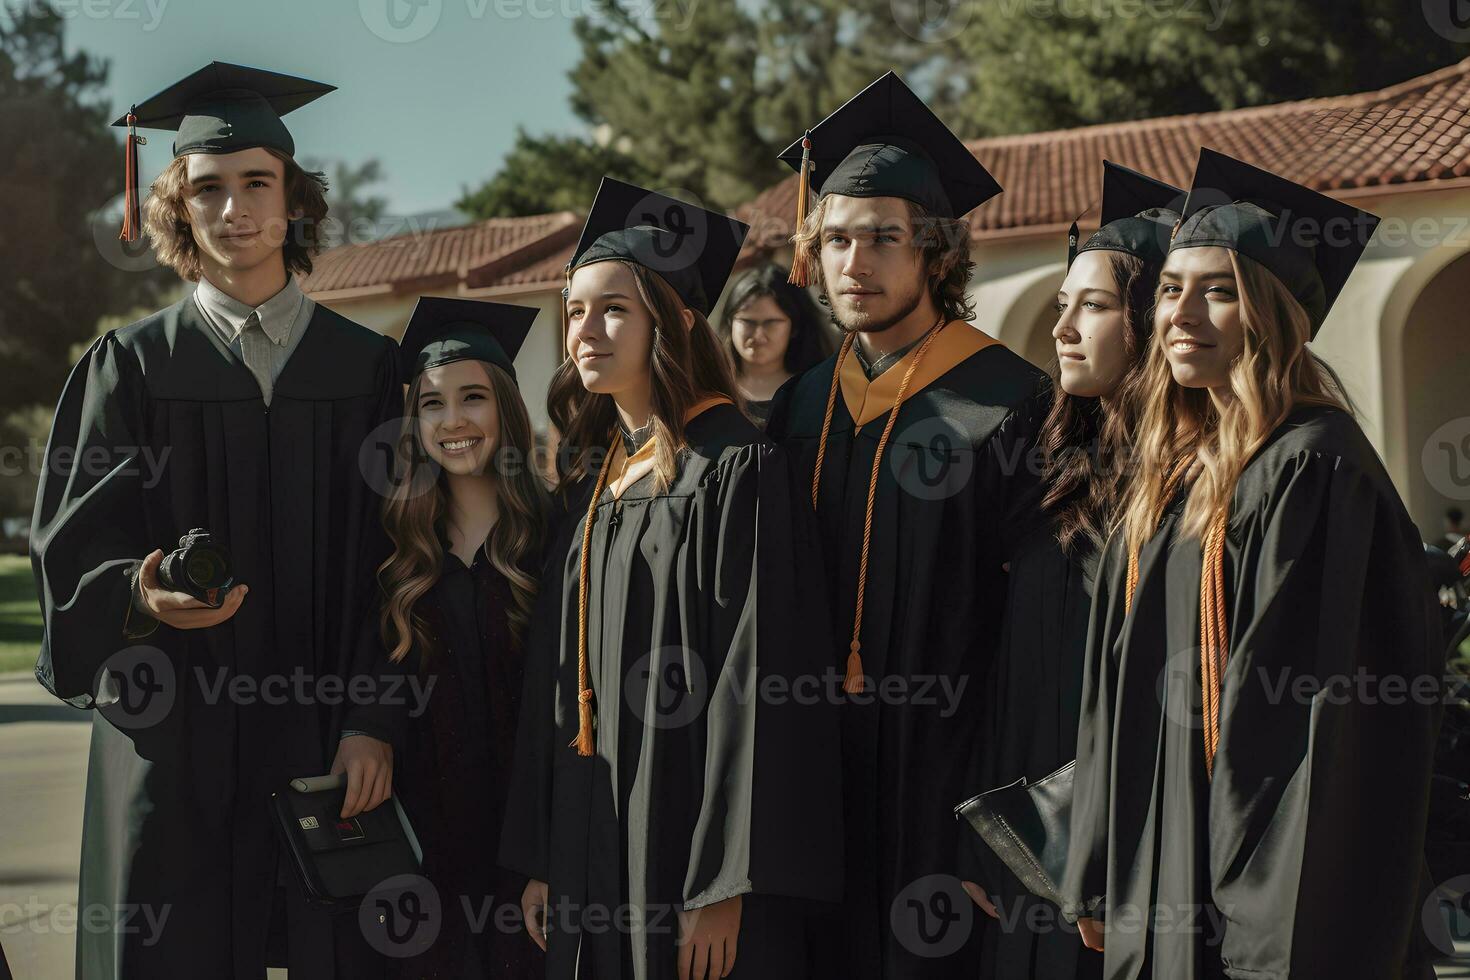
<point>1214,631</point>
<point>853,682</point>
<point>584,742</point>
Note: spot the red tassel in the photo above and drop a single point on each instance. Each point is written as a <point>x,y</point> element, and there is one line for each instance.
<point>132,209</point>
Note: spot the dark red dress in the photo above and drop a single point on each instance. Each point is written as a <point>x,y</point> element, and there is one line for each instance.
<point>453,775</point>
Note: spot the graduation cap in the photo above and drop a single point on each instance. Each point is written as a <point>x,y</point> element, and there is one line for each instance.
<point>220,108</point>
<point>885,142</point>
<point>1138,215</point>
<point>1308,240</point>
<point>693,249</point>
<point>441,331</point>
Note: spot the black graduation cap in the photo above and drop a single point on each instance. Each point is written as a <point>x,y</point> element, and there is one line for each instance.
<point>442,330</point>
<point>693,249</point>
<point>220,108</point>
<point>1138,215</point>
<point>885,142</point>
<point>1308,240</point>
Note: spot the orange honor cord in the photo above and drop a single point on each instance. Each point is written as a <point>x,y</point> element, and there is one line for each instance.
<point>1214,634</point>
<point>132,210</point>
<point>853,682</point>
<point>584,740</point>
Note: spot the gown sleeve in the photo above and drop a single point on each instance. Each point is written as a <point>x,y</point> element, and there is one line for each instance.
<point>1084,884</point>
<point>768,818</point>
<point>525,835</point>
<point>1329,712</point>
<point>87,532</point>
<point>386,719</point>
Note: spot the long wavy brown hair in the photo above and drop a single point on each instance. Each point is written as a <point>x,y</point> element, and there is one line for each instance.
<point>685,365</point>
<point>1087,442</point>
<point>166,217</point>
<point>945,243</point>
<point>1274,374</point>
<point>414,517</point>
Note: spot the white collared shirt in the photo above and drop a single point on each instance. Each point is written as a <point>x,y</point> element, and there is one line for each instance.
<point>283,319</point>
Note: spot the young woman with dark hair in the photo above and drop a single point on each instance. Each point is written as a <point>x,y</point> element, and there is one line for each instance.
<point>773,332</point>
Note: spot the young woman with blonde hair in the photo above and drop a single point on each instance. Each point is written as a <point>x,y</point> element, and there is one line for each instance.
<point>1236,784</point>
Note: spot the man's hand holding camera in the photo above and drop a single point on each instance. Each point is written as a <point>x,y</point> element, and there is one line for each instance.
<point>200,566</point>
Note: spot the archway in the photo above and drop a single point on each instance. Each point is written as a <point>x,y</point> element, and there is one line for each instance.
<point>1433,400</point>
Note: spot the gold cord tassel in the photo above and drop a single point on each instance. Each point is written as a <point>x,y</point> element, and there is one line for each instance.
<point>1214,635</point>
<point>584,742</point>
<point>852,682</point>
<point>801,259</point>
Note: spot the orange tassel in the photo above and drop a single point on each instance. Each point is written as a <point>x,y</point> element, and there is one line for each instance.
<point>584,723</point>
<point>801,263</point>
<point>853,682</point>
<point>132,209</point>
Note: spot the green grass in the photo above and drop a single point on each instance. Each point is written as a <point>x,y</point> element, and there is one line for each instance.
<point>20,615</point>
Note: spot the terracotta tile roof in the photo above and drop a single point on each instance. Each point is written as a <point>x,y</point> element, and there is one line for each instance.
<point>1418,130</point>
<point>497,252</point>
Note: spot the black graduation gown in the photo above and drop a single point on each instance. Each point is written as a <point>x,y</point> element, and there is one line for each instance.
<point>454,775</point>
<point>1301,857</point>
<point>957,486</point>
<point>714,773</point>
<point>179,781</point>
<point>1036,696</point>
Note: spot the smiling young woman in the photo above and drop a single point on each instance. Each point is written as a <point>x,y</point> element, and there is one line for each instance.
<point>467,515</point>
<point>1264,559</point>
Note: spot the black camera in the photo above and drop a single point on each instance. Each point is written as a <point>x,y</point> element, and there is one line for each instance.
<point>200,567</point>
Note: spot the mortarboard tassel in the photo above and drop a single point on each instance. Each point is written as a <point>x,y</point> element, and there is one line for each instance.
<point>132,211</point>
<point>801,263</point>
<point>1072,236</point>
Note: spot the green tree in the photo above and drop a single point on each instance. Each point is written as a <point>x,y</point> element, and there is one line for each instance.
<point>550,173</point>
<point>63,169</point>
<point>1030,65</point>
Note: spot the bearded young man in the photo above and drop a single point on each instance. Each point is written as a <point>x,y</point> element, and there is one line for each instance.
<point>257,402</point>
<point>914,445</point>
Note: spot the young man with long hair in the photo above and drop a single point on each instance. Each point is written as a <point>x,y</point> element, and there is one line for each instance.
<point>258,403</point>
<point>913,446</point>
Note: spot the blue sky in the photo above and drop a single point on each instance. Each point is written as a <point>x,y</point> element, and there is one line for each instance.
<point>440,110</point>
